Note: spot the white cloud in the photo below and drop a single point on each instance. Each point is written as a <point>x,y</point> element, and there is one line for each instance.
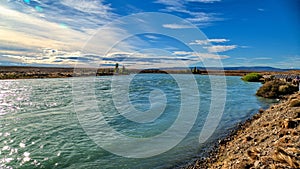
<point>208,41</point>
<point>34,32</point>
<point>204,1</point>
<point>200,55</point>
<point>31,39</point>
<point>180,3</point>
<point>54,52</point>
<point>89,6</point>
<point>151,37</point>
<point>110,38</point>
<point>245,47</point>
<point>56,37</point>
<point>220,48</point>
<point>177,3</point>
<point>120,53</point>
<point>196,17</point>
<point>180,53</point>
<point>214,48</point>
<point>77,14</point>
<point>202,18</point>
<point>48,56</point>
<point>262,58</point>
<point>218,40</point>
<point>261,9</point>
<point>177,26</point>
<point>9,58</point>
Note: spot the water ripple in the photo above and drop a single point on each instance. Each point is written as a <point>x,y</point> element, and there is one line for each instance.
<point>39,127</point>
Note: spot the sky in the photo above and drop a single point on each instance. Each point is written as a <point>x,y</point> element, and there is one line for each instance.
<point>150,33</point>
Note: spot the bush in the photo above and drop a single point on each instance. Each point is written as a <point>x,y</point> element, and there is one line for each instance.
<point>275,89</point>
<point>252,77</point>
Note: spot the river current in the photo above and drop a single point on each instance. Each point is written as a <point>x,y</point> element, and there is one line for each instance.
<point>40,124</point>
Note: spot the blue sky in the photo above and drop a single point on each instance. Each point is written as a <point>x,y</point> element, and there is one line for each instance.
<point>103,32</point>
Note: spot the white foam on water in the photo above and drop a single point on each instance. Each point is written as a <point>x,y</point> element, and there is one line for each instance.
<point>6,160</point>
<point>26,157</point>
<point>5,148</point>
<point>22,145</point>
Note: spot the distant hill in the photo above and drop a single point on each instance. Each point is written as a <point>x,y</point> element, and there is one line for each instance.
<point>63,69</point>
<point>247,68</point>
<point>255,68</point>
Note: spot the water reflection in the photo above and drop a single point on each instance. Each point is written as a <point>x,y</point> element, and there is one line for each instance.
<point>12,95</point>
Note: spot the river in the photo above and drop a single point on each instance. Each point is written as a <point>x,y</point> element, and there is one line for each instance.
<point>53,123</point>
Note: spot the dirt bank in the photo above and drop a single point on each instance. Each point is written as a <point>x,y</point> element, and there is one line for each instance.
<point>271,139</point>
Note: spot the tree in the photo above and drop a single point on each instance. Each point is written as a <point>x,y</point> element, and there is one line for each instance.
<point>195,70</point>
<point>123,69</point>
<point>117,68</point>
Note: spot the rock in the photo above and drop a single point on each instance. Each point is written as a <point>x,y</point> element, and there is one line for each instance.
<point>288,124</point>
<point>282,156</point>
<point>256,163</point>
<point>297,114</point>
<point>248,138</point>
<point>245,165</point>
<point>261,110</point>
<point>283,88</point>
<point>295,103</point>
<point>253,154</point>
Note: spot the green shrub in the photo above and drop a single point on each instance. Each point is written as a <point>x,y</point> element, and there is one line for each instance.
<point>275,89</point>
<point>252,77</point>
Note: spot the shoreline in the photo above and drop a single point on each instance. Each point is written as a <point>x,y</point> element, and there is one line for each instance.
<point>270,138</point>
<point>24,72</point>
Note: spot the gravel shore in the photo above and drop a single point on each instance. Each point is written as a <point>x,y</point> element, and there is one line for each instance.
<point>270,139</point>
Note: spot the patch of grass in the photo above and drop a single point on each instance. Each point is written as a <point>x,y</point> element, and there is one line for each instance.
<point>252,77</point>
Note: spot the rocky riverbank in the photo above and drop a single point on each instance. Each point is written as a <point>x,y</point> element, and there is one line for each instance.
<point>18,72</point>
<point>270,139</point>
<point>27,72</point>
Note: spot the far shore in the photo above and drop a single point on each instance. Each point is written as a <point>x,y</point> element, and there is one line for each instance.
<point>24,72</point>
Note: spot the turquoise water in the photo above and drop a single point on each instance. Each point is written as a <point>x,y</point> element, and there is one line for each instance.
<point>39,126</point>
